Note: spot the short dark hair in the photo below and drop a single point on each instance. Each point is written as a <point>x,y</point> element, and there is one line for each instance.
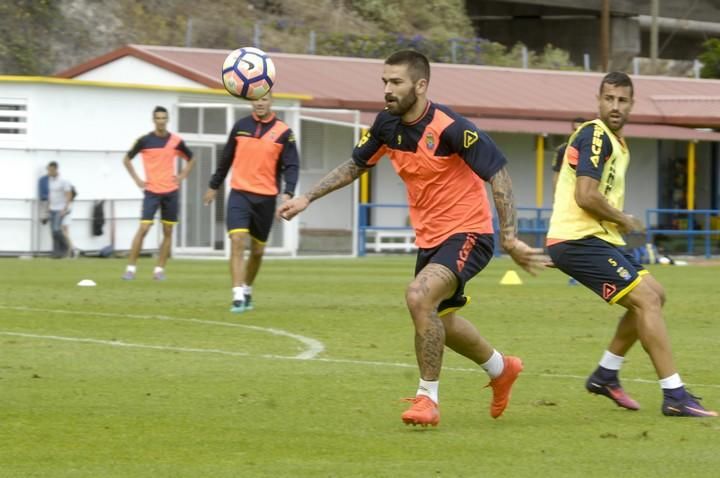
<point>417,63</point>
<point>52,164</point>
<point>617,78</point>
<point>159,109</point>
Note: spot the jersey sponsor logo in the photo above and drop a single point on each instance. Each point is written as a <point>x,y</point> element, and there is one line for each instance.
<point>608,290</point>
<point>610,180</point>
<point>596,147</point>
<point>430,141</point>
<point>365,138</point>
<point>469,138</point>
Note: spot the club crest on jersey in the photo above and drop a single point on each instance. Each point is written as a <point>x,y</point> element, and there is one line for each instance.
<point>430,141</point>
<point>623,273</point>
<point>469,138</point>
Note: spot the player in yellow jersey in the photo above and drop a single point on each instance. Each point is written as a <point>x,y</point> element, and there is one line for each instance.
<point>584,241</point>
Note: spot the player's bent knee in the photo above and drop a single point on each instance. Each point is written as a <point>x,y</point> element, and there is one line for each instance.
<point>643,298</point>
<point>257,250</point>
<point>416,299</point>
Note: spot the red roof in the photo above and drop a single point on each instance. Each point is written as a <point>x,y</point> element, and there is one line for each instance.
<point>476,91</point>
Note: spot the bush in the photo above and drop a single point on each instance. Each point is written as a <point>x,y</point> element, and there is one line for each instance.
<point>710,59</point>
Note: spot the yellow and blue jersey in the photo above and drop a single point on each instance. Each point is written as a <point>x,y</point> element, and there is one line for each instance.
<point>595,151</point>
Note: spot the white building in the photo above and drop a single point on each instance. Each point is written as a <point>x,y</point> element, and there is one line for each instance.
<point>87,127</point>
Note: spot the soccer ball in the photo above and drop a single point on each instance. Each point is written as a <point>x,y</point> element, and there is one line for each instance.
<point>248,73</point>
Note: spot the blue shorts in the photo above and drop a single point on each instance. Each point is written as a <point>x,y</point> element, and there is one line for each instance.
<point>168,203</point>
<point>465,254</point>
<point>600,266</point>
<point>252,213</point>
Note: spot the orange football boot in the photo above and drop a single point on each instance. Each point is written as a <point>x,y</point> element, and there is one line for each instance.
<point>422,412</point>
<point>502,385</point>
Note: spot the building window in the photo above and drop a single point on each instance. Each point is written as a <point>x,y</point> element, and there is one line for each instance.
<point>189,120</point>
<point>214,120</point>
<point>313,139</point>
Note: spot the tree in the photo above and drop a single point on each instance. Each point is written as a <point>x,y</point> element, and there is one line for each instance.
<point>710,59</point>
<point>26,25</point>
<point>41,37</point>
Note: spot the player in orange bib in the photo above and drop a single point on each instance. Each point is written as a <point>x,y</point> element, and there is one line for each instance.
<point>159,150</point>
<point>261,151</point>
<point>444,161</point>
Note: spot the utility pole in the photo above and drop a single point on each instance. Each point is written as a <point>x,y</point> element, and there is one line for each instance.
<point>188,32</point>
<point>605,35</point>
<point>654,13</point>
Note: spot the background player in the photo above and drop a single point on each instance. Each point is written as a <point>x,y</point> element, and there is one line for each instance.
<point>443,160</point>
<point>261,149</point>
<point>159,150</point>
<point>584,239</point>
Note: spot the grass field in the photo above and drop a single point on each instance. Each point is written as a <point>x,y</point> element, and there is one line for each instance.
<point>157,379</point>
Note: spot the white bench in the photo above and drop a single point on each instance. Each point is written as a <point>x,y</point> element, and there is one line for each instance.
<point>391,240</point>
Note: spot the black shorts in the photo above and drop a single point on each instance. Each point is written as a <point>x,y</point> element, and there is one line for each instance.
<point>252,213</point>
<point>465,254</point>
<point>600,266</point>
<point>168,204</point>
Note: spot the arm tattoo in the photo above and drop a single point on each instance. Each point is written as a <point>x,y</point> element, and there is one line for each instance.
<point>504,204</point>
<point>341,176</point>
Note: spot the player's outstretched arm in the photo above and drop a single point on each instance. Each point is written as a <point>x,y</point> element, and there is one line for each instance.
<point>529,258</point>
<point>341,176</point>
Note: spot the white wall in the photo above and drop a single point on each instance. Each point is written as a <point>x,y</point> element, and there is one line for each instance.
<point>132,70</point>
<point>87,130</point>
<point>325,146</point>
<point>519,150</point>
<point>641,188</point>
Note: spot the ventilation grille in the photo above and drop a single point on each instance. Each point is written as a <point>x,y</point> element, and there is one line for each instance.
<point>13,120</point>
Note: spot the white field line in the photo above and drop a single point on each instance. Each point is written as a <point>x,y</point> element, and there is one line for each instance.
<point>119,343</point>
<point>312,347</point>
<point>303,356</point>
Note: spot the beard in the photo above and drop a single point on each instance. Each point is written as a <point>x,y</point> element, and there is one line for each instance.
<point>401,106</point>
<point>616,122</point>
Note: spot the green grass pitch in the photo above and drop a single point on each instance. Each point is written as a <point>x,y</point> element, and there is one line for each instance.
<point>157,379</point>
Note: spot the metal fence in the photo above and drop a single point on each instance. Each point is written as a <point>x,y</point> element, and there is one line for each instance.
<point>687,226</point>
<point>664,226</point>
<point>23,232</point>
